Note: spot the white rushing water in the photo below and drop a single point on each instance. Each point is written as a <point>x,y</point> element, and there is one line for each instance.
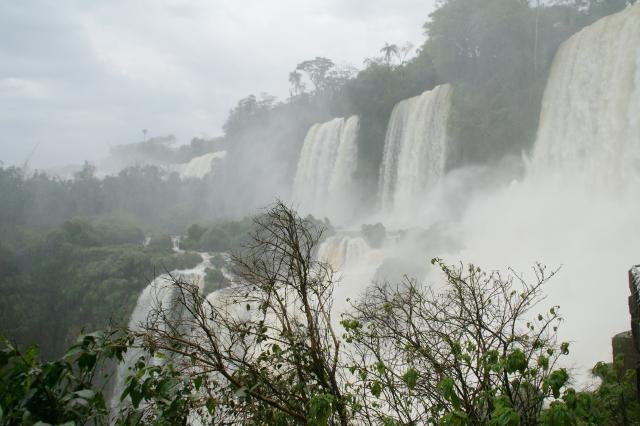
<point>323,184</point>
<point>159,293</point>
<point>590,119</point>
<point>341,251</point>
<point>415,148</point>
<point>201,166</point>
<point>578,205</point>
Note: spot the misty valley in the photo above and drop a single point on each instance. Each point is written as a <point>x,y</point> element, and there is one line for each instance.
<point>445,235</point>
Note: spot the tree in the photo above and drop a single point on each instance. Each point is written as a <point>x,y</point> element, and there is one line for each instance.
<point>497,54</point>
<point>249,112</point>
<point>297,86</point>
<point>72,390</point>
<point>264,350</point>
<point>317,70</point>
<point>63,391</point>
<point>614,402</point>
<point>466,354</point>
<point>15,201</point>
<point>598,8</point>
<point>389,50</point>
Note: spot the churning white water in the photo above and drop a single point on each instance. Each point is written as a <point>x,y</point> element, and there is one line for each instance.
<point>415,148</point>
<point>340,251</point>
<point>323,184</point>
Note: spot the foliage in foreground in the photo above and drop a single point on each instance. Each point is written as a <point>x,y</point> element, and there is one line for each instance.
<point>468,353</point>
<point>63,391</point>
<point>266,351</point>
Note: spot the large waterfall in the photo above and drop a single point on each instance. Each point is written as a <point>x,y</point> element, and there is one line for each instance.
<point>590,119</point>
<point>415,148</point>
<point>324,184</point>
<point>578,204</point>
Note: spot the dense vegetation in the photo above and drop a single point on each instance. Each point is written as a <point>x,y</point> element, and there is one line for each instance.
<point>222,237</point>
<point>144,196</point>
<point>473,352</point>
<point>77,276</point>
<point>72,252</point>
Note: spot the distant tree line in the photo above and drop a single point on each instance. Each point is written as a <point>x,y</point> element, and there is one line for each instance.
<point>71,250</point>
<point>79,275</point>
<point>144,196</point>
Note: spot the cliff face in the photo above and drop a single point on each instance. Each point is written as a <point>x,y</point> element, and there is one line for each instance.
<point>634,304</point>
<point>628,343</point>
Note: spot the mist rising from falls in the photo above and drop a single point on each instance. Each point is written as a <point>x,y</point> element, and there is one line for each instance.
<point>323,184</point>
<point>590,119</point>
<point>415,148</point>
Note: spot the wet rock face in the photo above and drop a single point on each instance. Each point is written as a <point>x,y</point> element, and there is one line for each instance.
<point>623,344</point>
<point>634,304</point>
<point>628,343</point>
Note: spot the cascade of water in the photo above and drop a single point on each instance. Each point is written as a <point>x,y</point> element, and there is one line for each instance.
<point>415,148</point>
<point>578,203</point>
<point>346,161</point>
<point>323,183</point>
<point>160,293</point>
<point>590,118</point>
<point>340,251</point>
<point>199,167</point>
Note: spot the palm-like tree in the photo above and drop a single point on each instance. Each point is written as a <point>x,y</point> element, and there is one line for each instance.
<point>295,78</point>
<point>389,50</point>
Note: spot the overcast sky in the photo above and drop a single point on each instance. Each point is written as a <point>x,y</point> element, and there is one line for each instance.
<point>79,76</point>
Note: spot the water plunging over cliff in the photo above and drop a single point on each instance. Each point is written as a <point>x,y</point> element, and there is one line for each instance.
<point>415,148</point>
<point>159,293</point>
<point>590,118</point>
<point>578,204</point>
<point>323,183</point>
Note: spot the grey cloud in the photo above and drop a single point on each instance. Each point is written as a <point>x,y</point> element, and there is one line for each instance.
<point>79,76</point>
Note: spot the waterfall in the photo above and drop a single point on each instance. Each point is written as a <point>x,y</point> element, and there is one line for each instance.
<point>355,264</point>
<point>577,206</point>
<point>414,148</point>
<point>159,293</point>
<point>590,117</point>
<point>340,251</point>
<point>199,167</point>
<point>323,183</point>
